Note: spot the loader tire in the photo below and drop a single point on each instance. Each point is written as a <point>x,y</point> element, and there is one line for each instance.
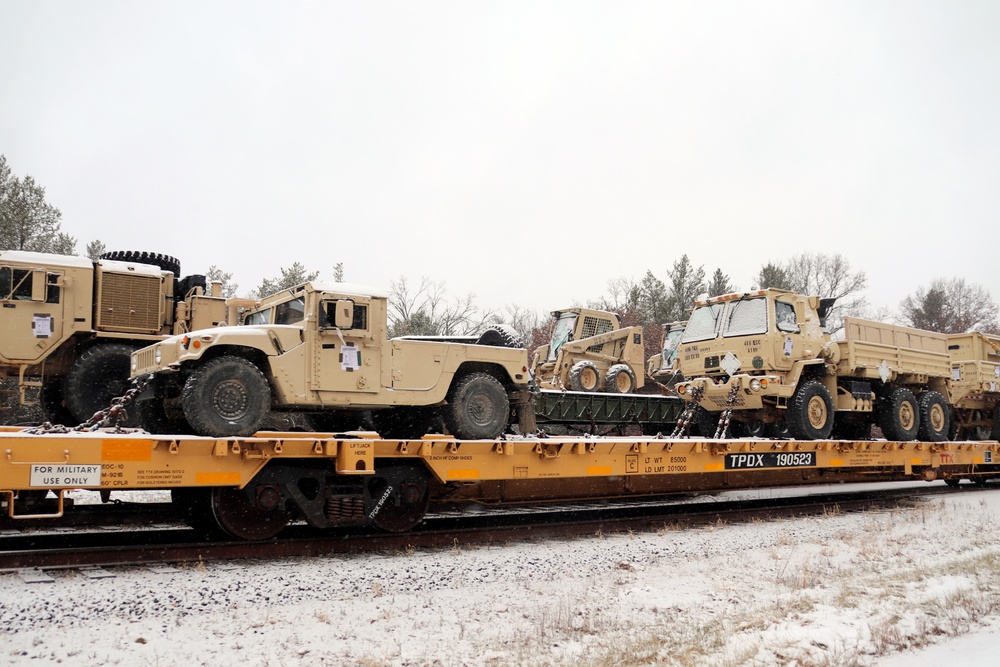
<point>584,376</point>
<point>478,408</point>
<point>98,375</point>
<point>619,380</point>
<point>226,396</point>
<point>935,417</point>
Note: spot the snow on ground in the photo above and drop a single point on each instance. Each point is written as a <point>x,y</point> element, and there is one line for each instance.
<point>904,587</point>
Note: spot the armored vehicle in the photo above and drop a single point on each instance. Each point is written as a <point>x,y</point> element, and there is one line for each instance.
<point>322,348</point>
<point>68,324</point>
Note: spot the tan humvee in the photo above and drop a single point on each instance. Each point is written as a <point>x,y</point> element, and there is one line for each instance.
<point>767,355</point>
<point>322,348</point>
<point>975,384</point>
<point>589,351</point>
<point>68,324</point>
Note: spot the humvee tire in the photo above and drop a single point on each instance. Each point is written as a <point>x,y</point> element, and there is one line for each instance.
<point>226,396</point>
<point>478,408</point>
<point>500,335</point>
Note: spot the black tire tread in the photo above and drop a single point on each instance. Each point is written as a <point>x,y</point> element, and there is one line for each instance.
<point>889,409</point>
<point>457,418</point>
<point>87,388</point>
<point>196,404</point>
<point>165,262</point>
<point>797,417</point>
<point>574,376</point>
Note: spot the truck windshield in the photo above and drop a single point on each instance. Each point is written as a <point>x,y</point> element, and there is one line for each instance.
<point>670,344</point>
<point>704,323</point>
<point>561,332</point>
<point>746,317</point>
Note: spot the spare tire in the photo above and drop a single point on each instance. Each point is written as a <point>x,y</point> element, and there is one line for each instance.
<point>165,262</point>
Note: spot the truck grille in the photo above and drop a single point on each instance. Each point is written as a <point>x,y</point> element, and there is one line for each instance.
<point>128,303</point>
<point>145,359</point>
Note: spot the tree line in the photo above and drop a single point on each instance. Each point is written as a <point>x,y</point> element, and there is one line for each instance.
<point>948,305</point>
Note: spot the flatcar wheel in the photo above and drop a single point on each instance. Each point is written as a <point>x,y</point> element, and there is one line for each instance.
<point>194,507</point>
<point>400,498</point>
<point>254,513</point>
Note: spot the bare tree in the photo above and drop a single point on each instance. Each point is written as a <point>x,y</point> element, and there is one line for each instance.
<point>822,275</point>
<point>27,221</point>
<point>529,324</point>
<point>951,306</point>
<point>338,272</point>
<point>427,311</point>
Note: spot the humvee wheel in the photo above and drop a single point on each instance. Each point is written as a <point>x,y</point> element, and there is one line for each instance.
<point>478,408</point>
<point>403,423</point>
<point>899,417</point>
<point>934,417</point>
<point>399,496</point>
<point>810,412</point>
<point>254,513</point>
<point>226,396</point>
<point>98,375</point>
<point>584,376</point>
<point>619,380</point>
<point>501,335</point>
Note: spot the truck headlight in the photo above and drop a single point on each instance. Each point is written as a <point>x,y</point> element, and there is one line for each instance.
<point>755,385</point>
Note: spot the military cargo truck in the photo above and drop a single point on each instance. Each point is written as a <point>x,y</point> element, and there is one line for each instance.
<point>589,351</point>
<point>69,324</point>
<point>768,358</point>
<point>974,389</point>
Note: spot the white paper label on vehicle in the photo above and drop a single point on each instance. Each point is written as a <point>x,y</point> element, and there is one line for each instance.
<point>64,475</point>
<point>42,324</point>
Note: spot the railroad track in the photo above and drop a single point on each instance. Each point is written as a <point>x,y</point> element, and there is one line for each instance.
<point>176,544</point>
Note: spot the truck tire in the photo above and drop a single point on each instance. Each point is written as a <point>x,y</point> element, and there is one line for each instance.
<point>226,396</point>
<point>935,417</point>
<point>584,376</point>
<point>501,335</point>
<point>899,416</point>
<point>478,408</point>
<point>98,375</point>
<point>54,409</point>
<point>165,262</point>
<point>403,422</point>
<point>619,380</point>
<point>810,412</point>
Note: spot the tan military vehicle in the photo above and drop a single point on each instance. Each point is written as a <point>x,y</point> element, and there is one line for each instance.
<point>663,368</point>
<point>974,390</point>
<point>68,324</point>
<point>321,348</point>
<point>767,356</point>
<point>589,351</point>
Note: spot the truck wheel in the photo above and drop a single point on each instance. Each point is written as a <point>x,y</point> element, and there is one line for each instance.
<point>403,423</point>
<point>899,416</point>
<point>165,262</point>
<point>478,408</point>
<point>99,374</point>
<point>810,412</point>
<point>584,376</point>
<point>226,396</point>
<point>619,380</point>
<point>54,409</point>
<point>935,417</point>
<point>501,335</point>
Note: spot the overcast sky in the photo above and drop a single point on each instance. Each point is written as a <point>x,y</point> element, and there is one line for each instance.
<point>523,152</point>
